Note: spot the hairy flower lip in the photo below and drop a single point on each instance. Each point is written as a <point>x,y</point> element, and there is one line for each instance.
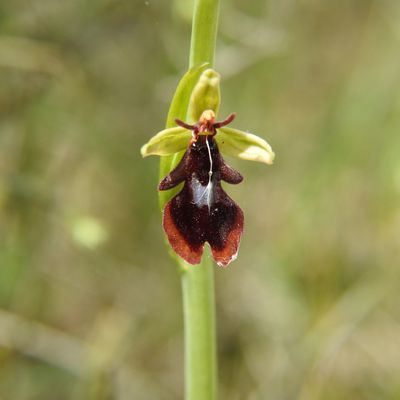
<point>202,212</point>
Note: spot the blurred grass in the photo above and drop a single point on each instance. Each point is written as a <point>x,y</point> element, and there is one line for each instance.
<point>90,302</point>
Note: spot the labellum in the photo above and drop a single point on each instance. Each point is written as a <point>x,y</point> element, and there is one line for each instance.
<point>202,211</point>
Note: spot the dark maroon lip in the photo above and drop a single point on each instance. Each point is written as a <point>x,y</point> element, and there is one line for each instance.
<point>202,211</point>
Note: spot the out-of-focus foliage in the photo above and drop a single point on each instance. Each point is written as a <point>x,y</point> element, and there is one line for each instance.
<point>89,300</point>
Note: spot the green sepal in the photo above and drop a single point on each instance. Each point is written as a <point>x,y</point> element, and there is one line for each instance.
<point>206,95</point>
<point>244,145</point>
<point>168,141</point>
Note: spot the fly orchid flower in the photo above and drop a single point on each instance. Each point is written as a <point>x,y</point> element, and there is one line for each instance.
<point>202,211</point>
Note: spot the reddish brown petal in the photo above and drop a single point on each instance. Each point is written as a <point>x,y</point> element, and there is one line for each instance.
<point>176,176</point>
<point>225,255</point>
<point>225,228</point>
<point>230,175</point>
<point>191,253</point>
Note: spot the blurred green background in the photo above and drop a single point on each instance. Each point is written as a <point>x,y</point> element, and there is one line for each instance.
<point>90,303</point>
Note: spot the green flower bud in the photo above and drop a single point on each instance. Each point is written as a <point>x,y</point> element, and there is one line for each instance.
<point>205,96</point>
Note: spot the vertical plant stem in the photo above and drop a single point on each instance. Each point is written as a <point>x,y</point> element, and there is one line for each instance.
<point>204,32</point>
<point>199,320</point>
<point>197,281</point>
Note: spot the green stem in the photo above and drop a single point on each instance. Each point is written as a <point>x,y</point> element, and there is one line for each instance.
<point>199,319</point>
<point>204,32</point>
<point>197,281</point>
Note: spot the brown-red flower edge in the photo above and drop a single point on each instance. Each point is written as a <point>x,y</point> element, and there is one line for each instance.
<point>202,211</point>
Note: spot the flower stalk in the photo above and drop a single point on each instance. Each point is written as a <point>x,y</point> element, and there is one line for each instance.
<point>197,281</point>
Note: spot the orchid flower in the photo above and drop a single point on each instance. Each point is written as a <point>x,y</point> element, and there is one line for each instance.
<point>202,211</point>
